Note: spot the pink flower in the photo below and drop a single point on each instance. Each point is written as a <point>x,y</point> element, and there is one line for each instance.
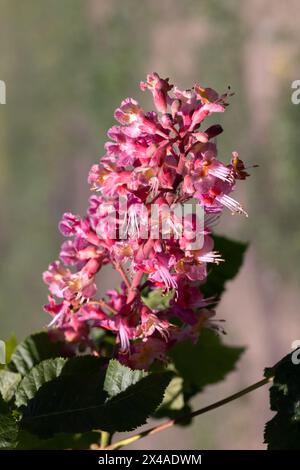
<point>153,160</point>
<point>145,353</point>
<point>128,111</point>
<point>161,271</point>
<point>159,89</point>
<point>151,323</point>
<point>69,224</point>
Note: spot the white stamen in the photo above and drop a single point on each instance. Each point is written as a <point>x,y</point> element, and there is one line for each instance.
<point>154,185</point>
<point>132,227</point>
<point>54,320</point>
<point>124,340</point>
<point>163,332</point>
<point>175,228</point>
<point>231,204</point>
<point>222,173</point>
<point>168,280</point>
<point>212,257</point>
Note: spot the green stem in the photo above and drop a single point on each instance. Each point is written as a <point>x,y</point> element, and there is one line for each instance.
<point>173,422</point>
<point>106,438</point>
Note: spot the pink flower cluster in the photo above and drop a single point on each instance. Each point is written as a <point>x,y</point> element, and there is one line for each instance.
<point>166,157</point>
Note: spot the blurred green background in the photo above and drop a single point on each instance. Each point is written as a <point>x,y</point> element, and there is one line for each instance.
<point>67,64</point>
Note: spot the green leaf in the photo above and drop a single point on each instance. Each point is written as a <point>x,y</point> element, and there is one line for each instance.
<point>197,365</point>
<point>79,403</point>
<point>282,432</point>
<point>32,350</point>
<point>119,377</point>
<point>174,397</point>
<point>10,345</point>
<point>157,299</point>
<point>9,382</point>
<point>209,360</point>
<point>206,362</point>
<point>44,372</point>
<point>49,369</point>
<point>66,404</point>
<point>132,407</point>
<point>83,364</point>
<point>176,400</point>
<point>27,441</point>
<point>233,253</point>
<point>8,432</point>
<point>4,407</point>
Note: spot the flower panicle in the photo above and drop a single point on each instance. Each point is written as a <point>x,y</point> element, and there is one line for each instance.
<point>155,159</point>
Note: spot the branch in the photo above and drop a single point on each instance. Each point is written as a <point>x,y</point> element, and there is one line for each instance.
<point>173,422</point>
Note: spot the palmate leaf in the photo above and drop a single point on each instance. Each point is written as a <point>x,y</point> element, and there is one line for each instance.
<point>79,403</point>
<point>32,351</point>
<point>282,432</point>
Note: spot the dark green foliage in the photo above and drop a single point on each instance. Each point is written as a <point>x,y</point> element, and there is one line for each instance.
<point>209,361</point>
<point>79,403</point>
<point>61,400</point>
<point>233,253</point>
<point>283,430</point>
<point>8,427</point>
<point>206,362</point>
<point>34,349</point>
<point>198,365</point>
<point>44,372</point>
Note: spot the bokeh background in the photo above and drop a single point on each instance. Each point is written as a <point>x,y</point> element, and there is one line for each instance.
<point>67,64</point>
